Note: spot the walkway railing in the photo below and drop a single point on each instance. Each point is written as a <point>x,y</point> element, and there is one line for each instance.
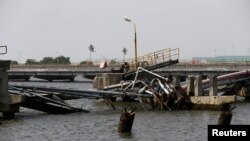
<point>155,58</point>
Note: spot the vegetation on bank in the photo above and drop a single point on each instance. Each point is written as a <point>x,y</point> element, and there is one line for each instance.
<point>46,61</point>
<point>60,60</point>
<point>49,61</point>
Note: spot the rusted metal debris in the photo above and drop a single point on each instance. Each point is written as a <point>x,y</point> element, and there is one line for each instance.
<point>41,101</point>
<point>163,92</point>
<point>166,96</point>
<point>159,93</point>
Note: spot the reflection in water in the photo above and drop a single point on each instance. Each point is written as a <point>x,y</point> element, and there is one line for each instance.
<point>128,135</point>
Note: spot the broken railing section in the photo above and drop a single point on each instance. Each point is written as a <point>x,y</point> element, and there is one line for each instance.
<point>155,60</point>
<point>43,101</point>
<point>164,94</point>
<point>57,95</point>
<point>151,89</point>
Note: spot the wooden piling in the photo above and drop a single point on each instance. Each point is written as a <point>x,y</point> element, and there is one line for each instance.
<point>226,115</point>
<point>126,120</point>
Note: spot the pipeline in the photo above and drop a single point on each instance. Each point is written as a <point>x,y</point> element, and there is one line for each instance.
<point>225,77</point>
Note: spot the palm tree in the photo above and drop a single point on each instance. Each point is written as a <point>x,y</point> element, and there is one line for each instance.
<point>91,49</point>
<point>124,51</point>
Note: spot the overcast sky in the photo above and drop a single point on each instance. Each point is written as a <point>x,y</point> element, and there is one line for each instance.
<point>33,29</point>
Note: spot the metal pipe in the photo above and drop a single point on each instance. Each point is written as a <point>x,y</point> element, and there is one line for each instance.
<point>225,77</point>
<point>142,69</point>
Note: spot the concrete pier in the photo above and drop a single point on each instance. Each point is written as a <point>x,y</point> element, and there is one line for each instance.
<point>213,85</point>
<point>211,102</point>
<point>177,80</point>
<point>190,85</point>
<point>5,97</point>
<point>197,85</point>
<point>8,103</point>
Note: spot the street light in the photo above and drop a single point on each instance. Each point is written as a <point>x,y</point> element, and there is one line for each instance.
<point>129,20</point>
<point>20,57</point>
<point>56,58</point>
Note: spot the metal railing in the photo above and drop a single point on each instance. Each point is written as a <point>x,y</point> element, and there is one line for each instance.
<point>155,58</point>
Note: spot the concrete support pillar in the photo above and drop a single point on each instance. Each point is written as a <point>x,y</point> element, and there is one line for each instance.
<point>106,79</point>
<point>5,99</point>
<point>190,85</point>
<point>4,95</point>
<point>213,85</point>
<point>176,80</point>
<point>198,85</point>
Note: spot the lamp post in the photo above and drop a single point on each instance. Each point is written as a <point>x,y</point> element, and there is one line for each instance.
<point>56,58</point>
<point>19,57</point>
<point>135,41</point>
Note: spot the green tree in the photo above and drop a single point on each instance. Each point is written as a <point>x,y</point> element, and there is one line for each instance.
<point>62,60</point>
<point>31,62</point>
<point>91,49</point>
<point>124,51</point>
<point>13,62</point>
<point>113,62</point>
<point>47,60</point>
<point>86,63</point>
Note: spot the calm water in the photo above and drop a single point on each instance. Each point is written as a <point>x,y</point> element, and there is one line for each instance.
<point>101,123</point>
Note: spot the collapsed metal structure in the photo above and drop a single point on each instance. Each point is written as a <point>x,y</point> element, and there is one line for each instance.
<point>158,92</point>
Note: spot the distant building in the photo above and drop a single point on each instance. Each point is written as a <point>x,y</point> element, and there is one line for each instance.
<point>220,59</point>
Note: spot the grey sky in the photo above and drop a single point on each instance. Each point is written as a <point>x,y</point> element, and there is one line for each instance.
<point>38,28</point>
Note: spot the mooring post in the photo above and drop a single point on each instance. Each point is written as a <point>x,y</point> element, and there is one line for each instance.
<point>190,85</point>
<point>198,85</point>
<point>126,120</point>
<point>213,85</point>
<point>226,115</point>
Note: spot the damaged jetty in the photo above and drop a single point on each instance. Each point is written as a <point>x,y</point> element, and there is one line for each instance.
<point>167,92</point>
<point>130,84</point>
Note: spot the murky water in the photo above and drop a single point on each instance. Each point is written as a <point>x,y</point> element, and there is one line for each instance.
<point>101,123</point>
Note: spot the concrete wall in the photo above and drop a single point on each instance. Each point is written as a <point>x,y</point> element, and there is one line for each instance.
<point>211,102</point>
<point>106,79</point>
